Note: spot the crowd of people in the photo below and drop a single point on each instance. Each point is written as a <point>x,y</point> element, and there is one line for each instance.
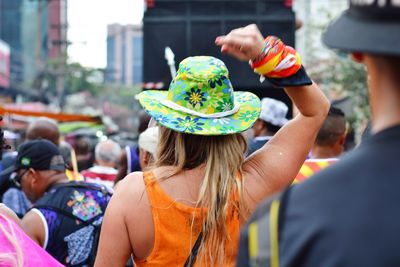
<point>220,177</point>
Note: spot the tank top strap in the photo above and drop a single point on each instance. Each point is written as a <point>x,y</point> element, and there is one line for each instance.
<point>156,195</point>
<point>152,188</point>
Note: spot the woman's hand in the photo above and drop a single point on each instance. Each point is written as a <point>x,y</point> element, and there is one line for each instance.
<point>243,43</point>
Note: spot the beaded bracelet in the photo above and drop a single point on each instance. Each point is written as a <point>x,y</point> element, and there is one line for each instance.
<point>273,46</point>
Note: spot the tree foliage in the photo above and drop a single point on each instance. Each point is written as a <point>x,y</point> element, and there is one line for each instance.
<point>337,74</point>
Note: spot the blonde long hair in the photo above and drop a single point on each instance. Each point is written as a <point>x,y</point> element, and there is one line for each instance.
<point>16,259</point>
<point>223,157</point>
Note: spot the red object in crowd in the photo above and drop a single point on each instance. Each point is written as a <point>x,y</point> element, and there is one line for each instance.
<point>289,3</point>
<point>149,3</point>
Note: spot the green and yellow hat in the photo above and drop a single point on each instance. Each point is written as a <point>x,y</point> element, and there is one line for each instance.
<point>201,100</point>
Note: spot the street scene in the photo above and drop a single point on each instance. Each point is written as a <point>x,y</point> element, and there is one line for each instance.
<point>199,133</point>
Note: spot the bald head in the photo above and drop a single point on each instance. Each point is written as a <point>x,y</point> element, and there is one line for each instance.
<point>107,153</point>
<point>44,128</point>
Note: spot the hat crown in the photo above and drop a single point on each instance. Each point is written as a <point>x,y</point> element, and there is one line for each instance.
<point>39,154</point>
<point>382,10</point>
<point>202,84</point>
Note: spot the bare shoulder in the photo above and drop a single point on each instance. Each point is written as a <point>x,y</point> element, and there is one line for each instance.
<point>33,226</point>
<point>130,199</point>
<point>130,189</point>
<point>130,183</point>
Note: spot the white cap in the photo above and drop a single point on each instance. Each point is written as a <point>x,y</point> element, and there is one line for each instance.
<point>148,140</point>
<point>273,111</point>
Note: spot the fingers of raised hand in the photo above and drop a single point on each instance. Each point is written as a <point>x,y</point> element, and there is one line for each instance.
<point>246,42</point>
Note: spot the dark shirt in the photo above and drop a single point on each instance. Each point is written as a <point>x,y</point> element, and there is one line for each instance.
<point>257,143</point>
<point>68,239</point>
<point>346,215</point>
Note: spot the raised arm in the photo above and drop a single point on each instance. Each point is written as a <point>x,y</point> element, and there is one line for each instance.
<point>274,166</point>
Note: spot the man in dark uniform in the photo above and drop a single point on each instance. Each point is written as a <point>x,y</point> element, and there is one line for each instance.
<point>347,214</point>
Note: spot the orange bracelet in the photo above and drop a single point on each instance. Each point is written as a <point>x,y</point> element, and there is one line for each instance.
<point>277,60</point>
<point>287,72</point>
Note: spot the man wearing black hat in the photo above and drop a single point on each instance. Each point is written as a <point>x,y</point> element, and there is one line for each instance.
<point>66,216</point>
<point>347,214</point>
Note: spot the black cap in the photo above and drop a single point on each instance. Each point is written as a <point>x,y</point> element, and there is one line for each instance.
<point>39,155</point>
<point>369,26</point>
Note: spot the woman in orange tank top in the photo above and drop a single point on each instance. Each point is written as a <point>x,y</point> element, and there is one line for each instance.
<point>201,184</point>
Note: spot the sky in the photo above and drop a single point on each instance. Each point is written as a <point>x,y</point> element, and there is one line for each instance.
<point>88,20</point>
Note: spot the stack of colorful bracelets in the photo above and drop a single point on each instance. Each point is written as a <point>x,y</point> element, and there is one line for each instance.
<point>276,60</point>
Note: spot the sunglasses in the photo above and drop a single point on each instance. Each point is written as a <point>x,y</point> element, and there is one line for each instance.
<point>16,178</point>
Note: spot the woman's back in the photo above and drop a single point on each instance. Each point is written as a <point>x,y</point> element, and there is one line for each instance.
<point>176,222</point>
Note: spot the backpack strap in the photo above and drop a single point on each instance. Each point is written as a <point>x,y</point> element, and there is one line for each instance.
<point>276,216</point>
<point>68,214</point>
<point>103,189</point>
<point>193,254</point>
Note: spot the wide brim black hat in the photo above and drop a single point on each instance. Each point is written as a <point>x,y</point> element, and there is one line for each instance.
<point>350,33</point>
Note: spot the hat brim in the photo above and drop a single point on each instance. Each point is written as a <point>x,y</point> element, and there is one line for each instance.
<point>374,37</point>
<point>179,121</point>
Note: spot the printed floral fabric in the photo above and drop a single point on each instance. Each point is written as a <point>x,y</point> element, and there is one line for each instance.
<point>70,240</point>
<point>202,84</point>
<point>84,205</point>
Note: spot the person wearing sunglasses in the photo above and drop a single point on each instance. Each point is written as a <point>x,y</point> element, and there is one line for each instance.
<point>66,216</point>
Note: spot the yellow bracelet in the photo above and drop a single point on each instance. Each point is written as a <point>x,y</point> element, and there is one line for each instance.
<point>269,66</point>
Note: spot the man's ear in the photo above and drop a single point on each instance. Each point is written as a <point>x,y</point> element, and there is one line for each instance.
<point>147,158</point>
<point>357,57</point>
<point>340,142</point>
<point>257,126</point>
<point>342,138</point>
<point>34,176</point>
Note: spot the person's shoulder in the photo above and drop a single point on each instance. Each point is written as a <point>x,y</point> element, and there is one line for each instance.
<point>132,185</point>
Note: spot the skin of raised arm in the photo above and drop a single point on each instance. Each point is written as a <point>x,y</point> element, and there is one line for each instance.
<point>274,166</point>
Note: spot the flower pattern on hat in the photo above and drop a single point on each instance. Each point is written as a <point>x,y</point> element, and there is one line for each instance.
<point>195,97</point>
<point>202,85</point>
<point>189,124</point>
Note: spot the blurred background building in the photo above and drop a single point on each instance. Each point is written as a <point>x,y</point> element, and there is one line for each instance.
<point>124,54</point>
<point>36,32</point>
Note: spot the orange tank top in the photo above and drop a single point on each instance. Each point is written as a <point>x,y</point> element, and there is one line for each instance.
<point>174,235</point>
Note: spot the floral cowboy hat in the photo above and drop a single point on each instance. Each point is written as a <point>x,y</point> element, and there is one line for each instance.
<point>201,100</point>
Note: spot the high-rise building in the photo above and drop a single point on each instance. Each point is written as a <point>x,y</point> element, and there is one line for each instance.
<point>10,25</point>
<point>35,32</point>
<point>57,29</point>
<point>124,54</point>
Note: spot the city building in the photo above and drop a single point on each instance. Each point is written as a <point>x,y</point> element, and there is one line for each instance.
<point>124,54</point>
<point>35,32</point>
<point>10,33</point>
<point>57,29</point>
